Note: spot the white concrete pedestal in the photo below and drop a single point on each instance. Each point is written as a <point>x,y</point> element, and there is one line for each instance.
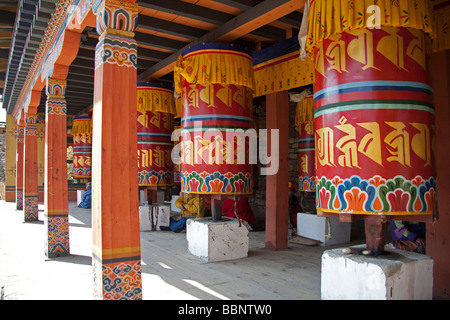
<point>79,196</point>
<point>398,275</point>
<point>314,227</point>
<point>217,241</point>
<point>152,217</point>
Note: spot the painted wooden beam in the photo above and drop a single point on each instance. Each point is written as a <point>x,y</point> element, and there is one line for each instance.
<point>293,18</point>
<point>187,10</point>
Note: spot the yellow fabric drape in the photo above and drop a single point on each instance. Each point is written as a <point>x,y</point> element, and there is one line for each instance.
<point>212,66</point>
<point>178,106</point>
<point>283,73</point>
<point>329,17</point>
<point>305,111</point>
<point>80,126</point>
<point>155,99</point>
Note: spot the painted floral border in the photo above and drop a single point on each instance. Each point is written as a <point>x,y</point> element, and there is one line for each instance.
<point>216,183</point>
<point>155,178</point>
<point>377,195</point>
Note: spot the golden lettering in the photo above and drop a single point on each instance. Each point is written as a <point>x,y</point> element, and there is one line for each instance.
<point>304,163</point>
<point>158,157</point>
<point>391,47</point>
<point>80,161</point>
<point>398,144</point>
<point>319,60</point>
<point>325,146</point>
<point>240,96</point>
<point>192,96</point>
<point>187,152</point>
<point>347,145</point>
<point>145,158</point>
<point>156,119</point>
<point>200,146</point>
<point>416,48</point>
<point>421,143</point>
<point>143,118</point>
<point>88,161</point>
<point>167,121</point>
<point>225,95</point>
<point>361,48</point>
<point>167,157</point>
<point>336,55</point>
<point>309,128</point>
<point>207,95</point>
<point>370,144</point>
<point>218,149</point>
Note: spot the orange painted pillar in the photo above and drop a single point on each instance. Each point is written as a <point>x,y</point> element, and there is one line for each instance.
<point>30,169</point>
<point>55,179</point>
<point>115,208</point>
<point>277,186</point>
<point>20,131</point>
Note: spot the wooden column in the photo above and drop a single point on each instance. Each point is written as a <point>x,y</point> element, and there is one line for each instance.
<point>20,132</point>
<point>438,236</point>
<point>277,188</point>
<point>30,169</point>
<point>55,180</point>
<point>115,208</point>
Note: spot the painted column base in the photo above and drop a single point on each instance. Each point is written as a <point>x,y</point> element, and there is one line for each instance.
<point>398,275</point>
<point>57,240</point>
<point>217,241</point>
<point>30,208</point>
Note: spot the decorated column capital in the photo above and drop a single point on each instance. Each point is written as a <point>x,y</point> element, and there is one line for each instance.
<point>20,132</point>
<point>30,125</point>
<point>117,17</point>
<point>56,91</point>
<point>55,88</point>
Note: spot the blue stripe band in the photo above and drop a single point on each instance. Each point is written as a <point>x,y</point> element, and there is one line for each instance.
<point>374,86</point>
<point>209,117</point>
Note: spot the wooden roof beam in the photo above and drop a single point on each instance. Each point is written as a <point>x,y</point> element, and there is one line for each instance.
<point>251,19</point>
<point>293,18</point>
<point>200,13</point>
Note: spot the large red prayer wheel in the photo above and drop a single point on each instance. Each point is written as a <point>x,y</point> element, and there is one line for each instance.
<point>374,120</point>
<point>216,116</point>
<point>82,147</point>
<point>155,107</point>
<point>306,145</point>
<point>177,165</point>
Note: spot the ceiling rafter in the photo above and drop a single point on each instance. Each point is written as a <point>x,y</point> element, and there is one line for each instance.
<point>251,19</point>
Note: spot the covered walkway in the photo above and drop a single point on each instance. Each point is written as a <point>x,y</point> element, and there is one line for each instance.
<point>169,271</point>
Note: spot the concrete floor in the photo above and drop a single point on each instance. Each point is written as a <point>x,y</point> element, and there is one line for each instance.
<point>169,271</point>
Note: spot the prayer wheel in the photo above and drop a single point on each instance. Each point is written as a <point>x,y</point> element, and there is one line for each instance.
<point>216,85</point>
<point>373,107</point>
<point>82,146</point>
<point>306,145</point>
<point>177,166</point>
<point>155,124</point>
